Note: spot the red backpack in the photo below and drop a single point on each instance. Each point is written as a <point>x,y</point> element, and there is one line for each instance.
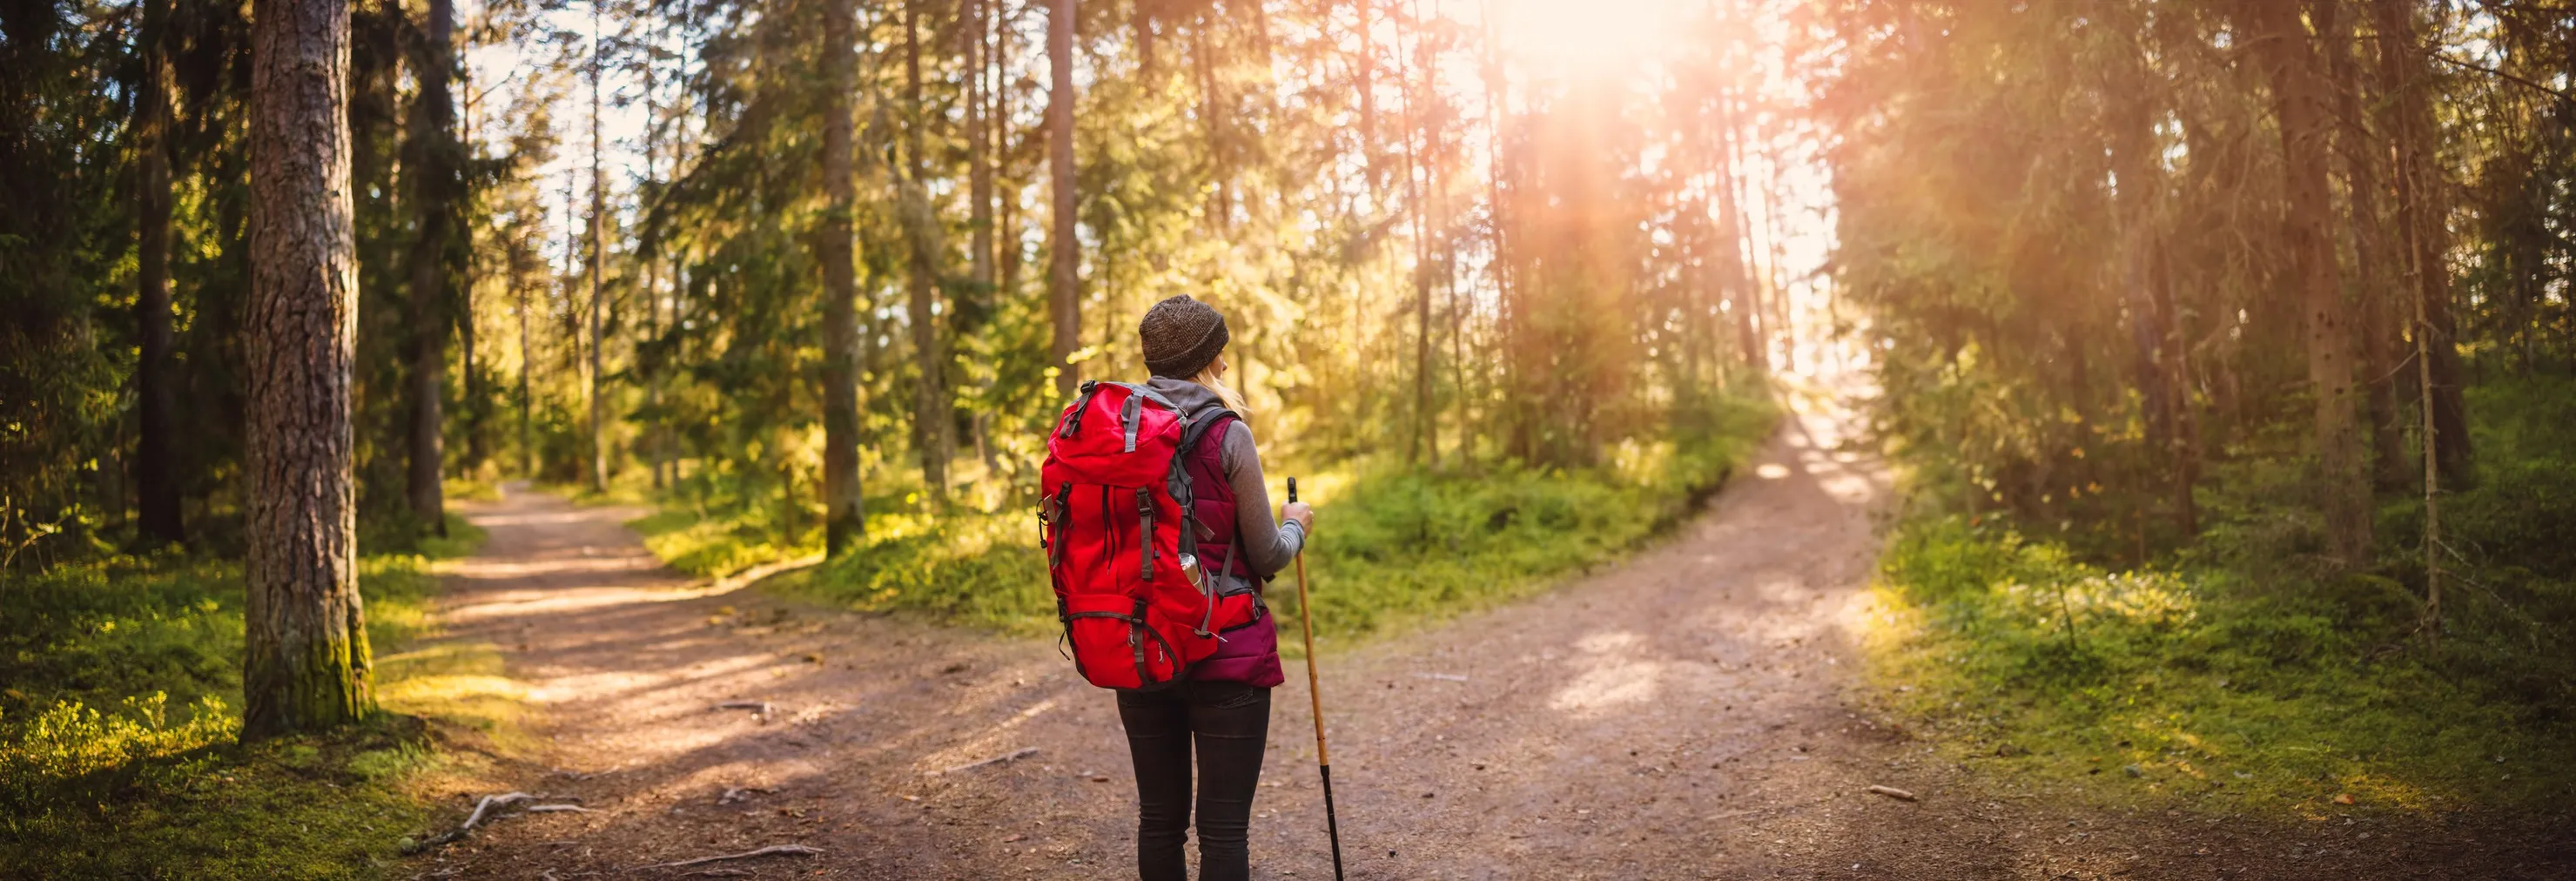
<point>1118,528</point>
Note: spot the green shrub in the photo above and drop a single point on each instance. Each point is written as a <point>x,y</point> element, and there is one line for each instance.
<point>2236,673</point>
<point>1393,544</point>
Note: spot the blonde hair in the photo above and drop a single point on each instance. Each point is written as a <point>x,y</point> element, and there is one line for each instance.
<point>1233,400</point>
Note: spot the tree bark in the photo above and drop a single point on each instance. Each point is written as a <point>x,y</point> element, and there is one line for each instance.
<point>1064,303</point>
<point>2299,102</point>
<point>1744,296</point>
<point>2151,317</point>
<point>1426,424</point>
<point>305,664</point>
<point>845,518</point>
<point>598,267</point>
<point>2422,221</point>
<point>1368,105</point>
<point>518,250</point>
<point>156,479</point>
<point>979,164</point>
<point>433,133</point>
<point>2361,152</point>
<point>1006,217</point>
<point>931,429</point>
<point>655,441</point>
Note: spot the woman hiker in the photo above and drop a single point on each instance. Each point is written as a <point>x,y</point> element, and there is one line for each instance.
<point>1224,709</point>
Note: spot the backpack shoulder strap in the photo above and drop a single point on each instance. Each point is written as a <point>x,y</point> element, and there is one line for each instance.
<point>1202,422</point>
<point>1179,483</point>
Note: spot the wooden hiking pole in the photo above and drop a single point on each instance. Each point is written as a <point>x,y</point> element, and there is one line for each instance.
<point>1315,693</point>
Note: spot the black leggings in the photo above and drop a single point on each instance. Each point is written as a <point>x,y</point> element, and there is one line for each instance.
<point>1231,723</point>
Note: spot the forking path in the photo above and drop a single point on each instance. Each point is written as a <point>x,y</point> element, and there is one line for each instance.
<point>1694,712</point>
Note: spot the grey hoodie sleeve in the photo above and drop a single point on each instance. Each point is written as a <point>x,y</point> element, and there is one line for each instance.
<point>1266,548</point>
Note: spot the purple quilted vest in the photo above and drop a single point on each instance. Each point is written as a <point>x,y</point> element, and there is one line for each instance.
<point>1249,653</point>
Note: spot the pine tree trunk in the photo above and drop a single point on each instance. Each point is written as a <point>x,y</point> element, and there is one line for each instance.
<point>2361,153</point>
<point>156,479</point>
<point>305,664</point>
<point>931,429</point>
<point>979,165</point>
<point>1743,296</point>
<point>518,250</point>
<point>1064,304</point>
<point>1426,423</point>
<point>2422,221</point>
<point>1368,105</point>
<point>433,133</point>
<point>845,518</point>
<point>2300,104</point>
<point>2132,161</point>
<point>656,425</point>
<point>598,267</point>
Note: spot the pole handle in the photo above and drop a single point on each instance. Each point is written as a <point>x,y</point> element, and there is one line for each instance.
<point>1292,489</point>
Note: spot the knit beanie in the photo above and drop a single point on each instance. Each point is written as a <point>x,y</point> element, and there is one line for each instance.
<point>1181,336</point>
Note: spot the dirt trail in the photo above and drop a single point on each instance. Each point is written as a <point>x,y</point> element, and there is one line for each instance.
<point>1689,714</point>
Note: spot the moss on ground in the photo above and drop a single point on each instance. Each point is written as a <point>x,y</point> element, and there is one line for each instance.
<point>117,728</point>
<point>2233,675</point>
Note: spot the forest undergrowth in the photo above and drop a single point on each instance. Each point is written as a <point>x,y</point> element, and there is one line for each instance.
<point>2233,674</point>
<point>118,725</point>
<point>1396,546</point>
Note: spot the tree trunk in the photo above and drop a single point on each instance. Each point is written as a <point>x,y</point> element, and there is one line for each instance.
<point>845,518</point>
<point>1368,106</point>
<point>2361,152</point>
<point>656,424</point>
<point>1220,205</point>
<point>1426,425</point>
<point>2300,104</point>
<point>2150,316</point>
<point>1744,297</point>
<point>527,362</point>
<point>930,413</point>
<point>979,165</point>
<point>305,664</point>
<point>998,126</point>
<point>1064,304</point>
<point>156,479</point>
<point>598,267</point>
<point>433,135</point>
<point>2422,221</point>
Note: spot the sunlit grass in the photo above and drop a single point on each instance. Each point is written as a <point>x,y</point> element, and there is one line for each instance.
<point>117,727</point>
<point>1396,546</point>
<point>2181,687</point>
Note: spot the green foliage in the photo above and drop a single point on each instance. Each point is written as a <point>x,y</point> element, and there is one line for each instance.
<point>2240,674</point>
<point>1393,546</point>
<point>117,753</point>
<point>1399,546</point>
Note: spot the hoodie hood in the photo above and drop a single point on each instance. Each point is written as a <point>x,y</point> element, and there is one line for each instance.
<point>1191,397</point>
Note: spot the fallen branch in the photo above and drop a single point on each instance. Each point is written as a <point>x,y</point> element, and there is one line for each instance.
<point>482,809</point>
<point>759,709</point>
<point>1021,753</point>
<point>1893,792</point>
<point>556,809</point>
<point>772,850</point>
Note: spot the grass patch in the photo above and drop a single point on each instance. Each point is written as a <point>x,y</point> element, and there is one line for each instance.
<point>1394,547</point>
<point>2235,676</point>
<point>117,727</point>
